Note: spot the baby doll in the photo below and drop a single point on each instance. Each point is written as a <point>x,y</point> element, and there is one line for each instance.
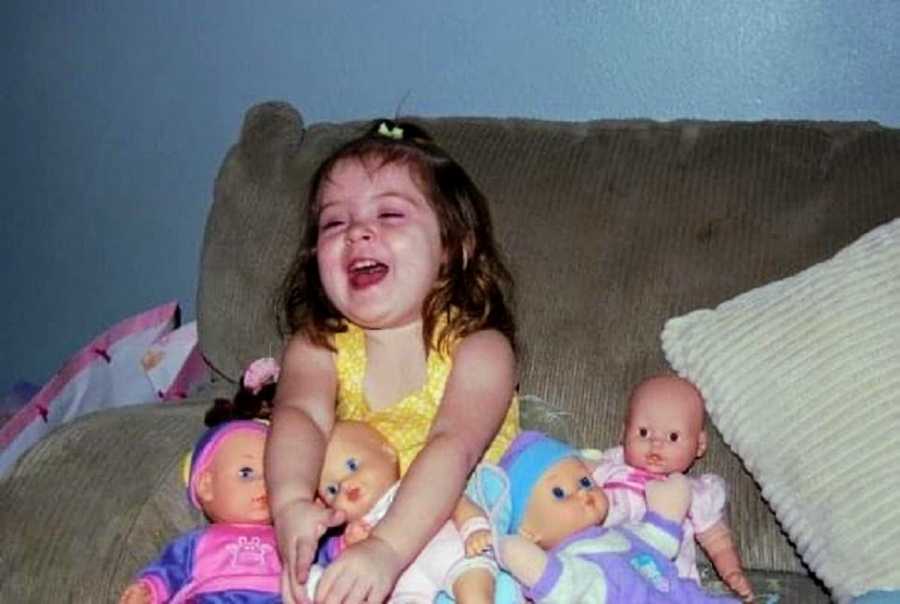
<point>555,546</point>
<point>664,434</point>
<point>360,476</point>
<point>235,556</point>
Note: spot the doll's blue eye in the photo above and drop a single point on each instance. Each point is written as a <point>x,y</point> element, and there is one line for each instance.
<point>332,490</point>
<point>559,493</point>
<point>246,472</point>
<point>352,464</point>
<point>585,482</point>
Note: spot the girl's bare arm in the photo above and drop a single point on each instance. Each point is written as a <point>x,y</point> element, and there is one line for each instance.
<point>476,400</point>
<point>302,418</point>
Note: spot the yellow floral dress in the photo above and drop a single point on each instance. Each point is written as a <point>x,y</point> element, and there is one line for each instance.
<point>406,423</point>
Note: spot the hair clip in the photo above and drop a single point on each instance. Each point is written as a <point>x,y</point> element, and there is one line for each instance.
<point>390,131</point>
<point>261,373</point>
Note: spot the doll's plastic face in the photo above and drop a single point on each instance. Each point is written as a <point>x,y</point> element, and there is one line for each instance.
<point>359,468</point>
<point>664,428</point>
<point>232,488</point>
<point>379,247</point>
<point>565,500</point>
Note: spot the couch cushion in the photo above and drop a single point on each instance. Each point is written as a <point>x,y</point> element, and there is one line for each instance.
<point>802,377</point>
<point>610,228</point>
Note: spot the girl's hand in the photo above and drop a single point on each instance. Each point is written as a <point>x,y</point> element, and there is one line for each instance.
<point>298,527</point>
<point>364,572</point>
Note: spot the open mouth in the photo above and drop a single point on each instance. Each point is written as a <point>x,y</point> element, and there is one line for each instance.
<point>364,273</point>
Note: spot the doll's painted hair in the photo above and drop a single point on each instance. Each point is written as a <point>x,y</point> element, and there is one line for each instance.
<point>473,287</point>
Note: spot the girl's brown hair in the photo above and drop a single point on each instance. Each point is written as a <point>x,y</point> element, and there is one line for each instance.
<point>473,285</point>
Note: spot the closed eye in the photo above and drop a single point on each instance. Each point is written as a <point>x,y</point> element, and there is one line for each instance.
<point>329,225</point>
<point>390,214</point>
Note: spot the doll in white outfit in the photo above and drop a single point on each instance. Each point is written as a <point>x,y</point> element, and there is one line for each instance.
<point>664,434</point>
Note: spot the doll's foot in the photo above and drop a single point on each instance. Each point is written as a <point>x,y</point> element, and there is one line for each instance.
<point>670,497</point>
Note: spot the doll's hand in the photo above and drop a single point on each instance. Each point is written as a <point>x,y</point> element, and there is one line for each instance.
<point>478,543</point>
<point>670,497</point>
<point>356,531</point>
<point>137,593</point>
<point>364,572</point>
<point>523,558</point>
<point>737,581</point>
<point>298,527</point>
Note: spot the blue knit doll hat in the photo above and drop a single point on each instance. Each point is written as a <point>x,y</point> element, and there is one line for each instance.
<point>528,457</point>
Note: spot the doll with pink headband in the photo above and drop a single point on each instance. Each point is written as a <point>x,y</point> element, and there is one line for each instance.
<point>664,434</point>
<point>235,557</point>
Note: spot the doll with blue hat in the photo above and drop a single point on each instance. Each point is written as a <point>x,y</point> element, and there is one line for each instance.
<point>547,514</point>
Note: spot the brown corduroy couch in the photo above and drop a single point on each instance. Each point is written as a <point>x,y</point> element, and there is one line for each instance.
<point>610,227</point>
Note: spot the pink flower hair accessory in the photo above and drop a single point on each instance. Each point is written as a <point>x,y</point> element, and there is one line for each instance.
<point>261,373</point>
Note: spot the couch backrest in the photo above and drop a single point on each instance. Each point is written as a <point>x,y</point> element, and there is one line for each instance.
<point>610,229</point>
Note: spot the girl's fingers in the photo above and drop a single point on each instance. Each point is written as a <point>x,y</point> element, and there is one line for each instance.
<point>359,593</point>
<point>325,583</point>
<point>287,596</point>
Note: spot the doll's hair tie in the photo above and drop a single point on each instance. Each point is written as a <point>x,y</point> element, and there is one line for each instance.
<point>261,373</point>
<point>390,130</point>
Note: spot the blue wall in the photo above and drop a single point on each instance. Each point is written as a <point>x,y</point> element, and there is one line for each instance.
<point>116,114</point>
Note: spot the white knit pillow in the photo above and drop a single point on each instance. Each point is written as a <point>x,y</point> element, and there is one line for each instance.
<point>802,378</point>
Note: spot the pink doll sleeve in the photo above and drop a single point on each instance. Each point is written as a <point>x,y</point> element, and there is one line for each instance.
<point>708,501</point>
<point>606,464</point>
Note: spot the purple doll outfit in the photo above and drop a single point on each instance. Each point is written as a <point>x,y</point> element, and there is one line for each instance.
<point>625,487</point>
<point>629,563</point>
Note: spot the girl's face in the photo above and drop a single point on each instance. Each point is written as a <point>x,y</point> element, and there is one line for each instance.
<point>379,248</point>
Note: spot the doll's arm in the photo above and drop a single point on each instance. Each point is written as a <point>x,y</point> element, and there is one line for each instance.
<point>160,580</point>
<point>719,546</point>
<point>473,527</point>
<point>356,531</point>
<point>524,559</point>
<point>574,574</point>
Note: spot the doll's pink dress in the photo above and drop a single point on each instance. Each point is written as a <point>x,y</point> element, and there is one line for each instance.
<point>625,488</point>
<point>218,563</point>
